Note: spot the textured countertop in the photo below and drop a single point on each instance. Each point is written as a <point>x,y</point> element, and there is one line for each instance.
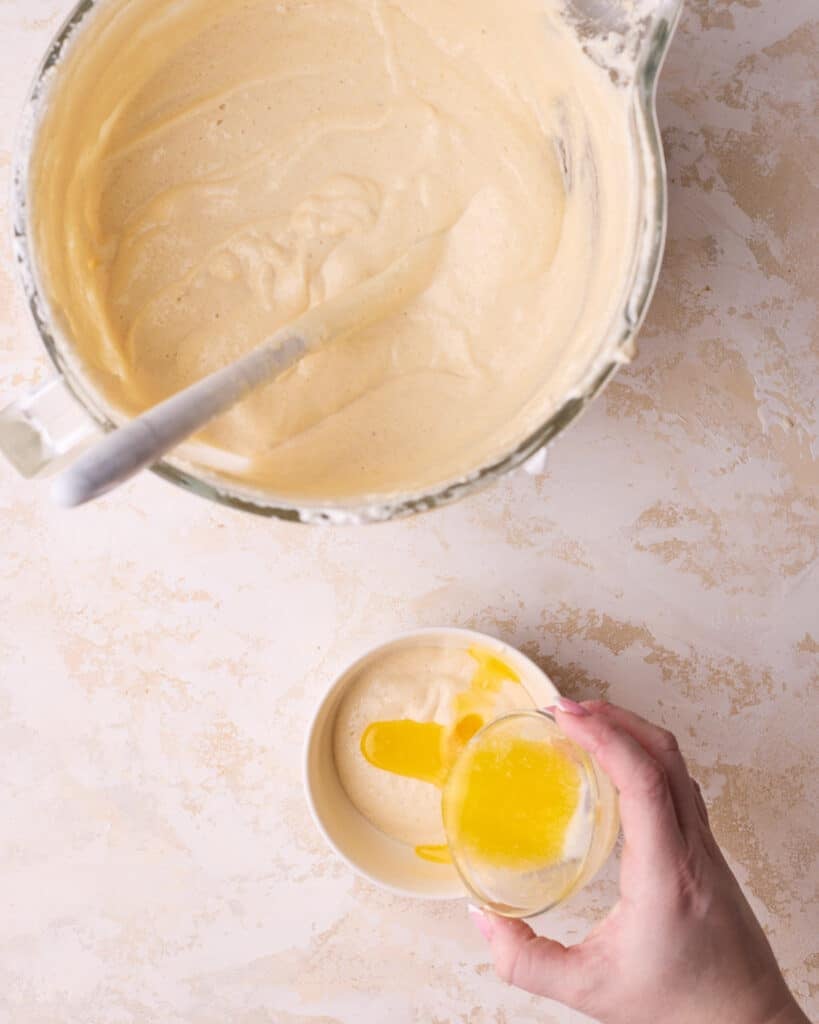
<point>160,656</point>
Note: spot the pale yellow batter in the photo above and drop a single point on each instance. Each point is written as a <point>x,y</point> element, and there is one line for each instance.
<point>209,169</point>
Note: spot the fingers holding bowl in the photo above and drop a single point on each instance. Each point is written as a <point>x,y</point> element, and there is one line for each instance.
<point>662,745</point>
<point>647,808</point>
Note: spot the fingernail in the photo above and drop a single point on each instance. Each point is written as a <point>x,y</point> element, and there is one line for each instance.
<point>482,922</point>
<point>571,707</point>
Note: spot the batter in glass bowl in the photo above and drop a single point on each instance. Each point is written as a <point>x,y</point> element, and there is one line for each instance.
<point>209,169</point>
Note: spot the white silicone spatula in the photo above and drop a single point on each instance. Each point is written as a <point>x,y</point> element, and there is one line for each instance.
<point>144,440</point>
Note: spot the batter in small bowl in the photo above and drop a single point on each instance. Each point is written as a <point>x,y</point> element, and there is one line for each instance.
<point>401,725</point>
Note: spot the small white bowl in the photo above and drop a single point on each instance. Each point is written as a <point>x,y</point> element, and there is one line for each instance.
<point>372,854</point>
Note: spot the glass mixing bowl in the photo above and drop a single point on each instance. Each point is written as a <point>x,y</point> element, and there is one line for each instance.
<point>39,430</point>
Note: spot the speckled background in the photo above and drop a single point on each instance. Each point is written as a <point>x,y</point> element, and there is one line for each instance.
<point>160,656</point>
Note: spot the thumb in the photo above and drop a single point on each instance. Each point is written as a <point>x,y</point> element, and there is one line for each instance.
<point>526,960</point>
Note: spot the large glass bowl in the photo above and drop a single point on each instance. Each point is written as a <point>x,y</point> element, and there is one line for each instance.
<point>628,37</point>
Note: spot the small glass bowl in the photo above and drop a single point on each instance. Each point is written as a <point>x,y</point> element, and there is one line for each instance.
<point>530,888</point>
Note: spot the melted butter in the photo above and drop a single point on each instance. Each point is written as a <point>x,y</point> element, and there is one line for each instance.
<point>413,749</point>
<point>436,854</point>
<point>489,677</point>
<point>427,751</point>
<point>210,169</point>
<point>514,803</point>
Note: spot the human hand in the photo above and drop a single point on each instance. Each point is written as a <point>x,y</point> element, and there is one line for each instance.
<point>681,946</point>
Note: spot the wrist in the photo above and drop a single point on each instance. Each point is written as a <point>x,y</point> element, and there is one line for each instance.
<point>789,1014</point>
<point>776,1006</point>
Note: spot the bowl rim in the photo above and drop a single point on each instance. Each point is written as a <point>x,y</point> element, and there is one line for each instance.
<point>339,681</point>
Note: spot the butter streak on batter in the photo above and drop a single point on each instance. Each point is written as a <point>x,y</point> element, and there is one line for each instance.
<point>401,727</point>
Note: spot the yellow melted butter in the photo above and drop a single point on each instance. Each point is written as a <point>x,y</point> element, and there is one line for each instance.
<point>405,747</point>
<point>513,802</point>
<point>435,854</point>
<point>427,750</point>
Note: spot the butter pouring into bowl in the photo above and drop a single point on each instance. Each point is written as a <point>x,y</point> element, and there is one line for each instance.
<point>398,729</point>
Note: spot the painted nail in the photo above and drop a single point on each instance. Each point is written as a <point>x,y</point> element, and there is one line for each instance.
<point>482,922</point>
<point>571,707</point>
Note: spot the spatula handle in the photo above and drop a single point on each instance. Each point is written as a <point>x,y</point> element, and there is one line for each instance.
<point>144,440</point>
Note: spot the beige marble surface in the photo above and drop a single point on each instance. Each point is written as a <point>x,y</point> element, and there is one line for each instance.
<point>159,656</point>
